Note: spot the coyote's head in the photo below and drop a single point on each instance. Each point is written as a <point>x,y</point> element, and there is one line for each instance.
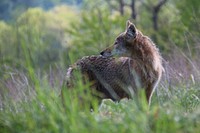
<point>124,43</point>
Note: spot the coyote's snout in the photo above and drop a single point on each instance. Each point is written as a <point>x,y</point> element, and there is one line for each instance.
<point>131,63</point>
<point>123,43</point>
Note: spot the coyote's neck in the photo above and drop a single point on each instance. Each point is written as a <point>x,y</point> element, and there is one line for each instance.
<point>148,53</point>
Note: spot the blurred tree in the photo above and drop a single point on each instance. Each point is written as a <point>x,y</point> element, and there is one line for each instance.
<point>11,9</point>
<point>189,12</point>
<point>97,28</point>
<point>120,5</point>
<point>154,9</point>
<point>43,35</point>
<point>38,35</point>
<point>6,53</point>
<point>133,9</point>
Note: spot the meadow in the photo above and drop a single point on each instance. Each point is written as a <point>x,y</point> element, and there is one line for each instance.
<point>176,109</point>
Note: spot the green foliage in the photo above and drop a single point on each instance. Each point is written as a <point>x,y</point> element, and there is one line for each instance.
<point>43,44</point>
<point>45,113</point>
<point>10,10</point>
<point>189,15</point>
<point>38,33</point>
<point>96,30</point>
<point>189,12</point>
<point>5,43</point>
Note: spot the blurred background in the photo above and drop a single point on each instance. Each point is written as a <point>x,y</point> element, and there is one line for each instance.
<point>43,37</point>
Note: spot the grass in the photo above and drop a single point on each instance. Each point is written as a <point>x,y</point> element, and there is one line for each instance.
<point>32,104</point>
<point>177,110</point>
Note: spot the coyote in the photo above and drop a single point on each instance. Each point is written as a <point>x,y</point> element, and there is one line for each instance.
<point>132,63</point>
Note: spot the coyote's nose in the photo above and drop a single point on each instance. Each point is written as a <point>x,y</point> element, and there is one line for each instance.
<point>106,53</point>
<point>102,52</point>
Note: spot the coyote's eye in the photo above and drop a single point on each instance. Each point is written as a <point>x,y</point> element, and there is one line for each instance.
<point>115,43</point>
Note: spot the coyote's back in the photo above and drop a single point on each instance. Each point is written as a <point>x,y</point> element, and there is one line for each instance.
<point>114,78</point>
<point>132,63</point>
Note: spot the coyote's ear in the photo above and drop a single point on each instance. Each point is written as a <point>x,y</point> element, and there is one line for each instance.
<point>128,23</point>
<point>130,30</point>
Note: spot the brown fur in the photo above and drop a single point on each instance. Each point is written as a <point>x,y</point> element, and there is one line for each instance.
<point>133,62</point>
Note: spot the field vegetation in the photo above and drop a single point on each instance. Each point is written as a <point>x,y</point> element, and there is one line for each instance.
<point>38,44</point>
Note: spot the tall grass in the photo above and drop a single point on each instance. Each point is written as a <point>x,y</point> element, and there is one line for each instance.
<point>32,103</point>
<point>45,113</point>
<point>174,108</point>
